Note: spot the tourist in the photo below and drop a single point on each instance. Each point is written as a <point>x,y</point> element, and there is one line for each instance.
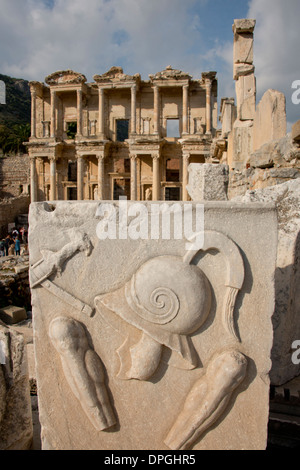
<point>22,230</point>
<point>7,242</point>
<point>17,246</point>
<point>2,248</point>
<point>15,233</point>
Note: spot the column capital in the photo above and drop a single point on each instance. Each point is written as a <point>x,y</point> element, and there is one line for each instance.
<point>155,156</point>
<point>100,155</point>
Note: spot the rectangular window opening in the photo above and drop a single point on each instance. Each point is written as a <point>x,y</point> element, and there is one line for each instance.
<point>72,171</point>
<point>121,188</point>
<point>172,194</point>
<point>71,129</point>
<point>72,194</point>
<point>173,128</point>
<point>122,129</point>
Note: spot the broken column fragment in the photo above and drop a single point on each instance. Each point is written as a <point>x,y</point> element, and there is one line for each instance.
<point>270,119</point>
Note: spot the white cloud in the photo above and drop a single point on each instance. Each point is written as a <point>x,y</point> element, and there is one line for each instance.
<point>276,48</point>
<point>93,35</point>
<point>38,37</point>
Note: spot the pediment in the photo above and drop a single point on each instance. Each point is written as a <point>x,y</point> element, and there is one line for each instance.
<point>116,74</point>
<point>170,74</point>
<point>64,77</point>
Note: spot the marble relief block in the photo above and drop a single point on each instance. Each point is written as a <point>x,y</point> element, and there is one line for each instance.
<point>148,340</point>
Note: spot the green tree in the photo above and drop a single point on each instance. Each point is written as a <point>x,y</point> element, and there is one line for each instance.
<point>12,139</point>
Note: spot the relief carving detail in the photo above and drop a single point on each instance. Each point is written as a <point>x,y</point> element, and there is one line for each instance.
<point>166,300</point>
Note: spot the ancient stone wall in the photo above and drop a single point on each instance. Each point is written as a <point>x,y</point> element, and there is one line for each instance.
<point>14,175</point>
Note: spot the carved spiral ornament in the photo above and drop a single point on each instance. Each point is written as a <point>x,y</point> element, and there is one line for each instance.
<point>163,305</point>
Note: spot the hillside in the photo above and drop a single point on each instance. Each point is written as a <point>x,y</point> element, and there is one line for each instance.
<point>15,116</point>
<point>18,102</point>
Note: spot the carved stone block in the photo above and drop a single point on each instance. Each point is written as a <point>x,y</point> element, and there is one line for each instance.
<point>269,119</point>
<point>16,431</point>
<point>245,88</point>
<point>208,182</point>
<point>146,340</point>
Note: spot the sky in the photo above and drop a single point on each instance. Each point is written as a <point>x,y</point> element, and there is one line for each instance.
<point>39,37</point>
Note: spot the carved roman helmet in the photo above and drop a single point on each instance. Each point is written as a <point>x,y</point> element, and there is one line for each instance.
<point>166,299</point>
<point>169,293</point>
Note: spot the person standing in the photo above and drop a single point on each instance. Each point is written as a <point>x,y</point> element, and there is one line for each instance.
<point>17,246</point>
<point>2,247</point>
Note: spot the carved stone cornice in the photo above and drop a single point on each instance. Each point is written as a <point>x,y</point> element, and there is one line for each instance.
<point>170,74</point>
<point>116,75</point>
<point>65,77</point>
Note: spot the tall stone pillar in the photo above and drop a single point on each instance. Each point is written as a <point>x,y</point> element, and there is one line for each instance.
<point>79,112</point>
<point>133,109</point>
<point>208,105</point>
<point>185,109</point>
<point>240,142</point>
<point>80,178</point>
<point>208,78</point>
<point>33,180</point>
<point>185,176</point>
<point>156,111</point>
<point>100,176</point>
<point>52,179</point>
<point>101,113</point>
<point>156,178</point>
<point>53,114</point>
<point>133,178</point>
<point>243,68</point>
<point>33,112</point>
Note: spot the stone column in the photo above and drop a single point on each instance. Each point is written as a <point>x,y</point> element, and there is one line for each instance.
<point>240,141</point>
<point>185,178</point>
<point>185,109</point>
<point>100,176</point>
<point>101,113</point>
<point>52,179</point>
<point>33,113</point>
<point>133,178</point>
<point>156,178</point>
<point>79,112</point>
<point>243,68</point>
<point>133,109</point>
<point>208,85</point>
<point>156,111</point>
<point>33,180</point>
<point>80,178</point>
<point>53,113</point>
